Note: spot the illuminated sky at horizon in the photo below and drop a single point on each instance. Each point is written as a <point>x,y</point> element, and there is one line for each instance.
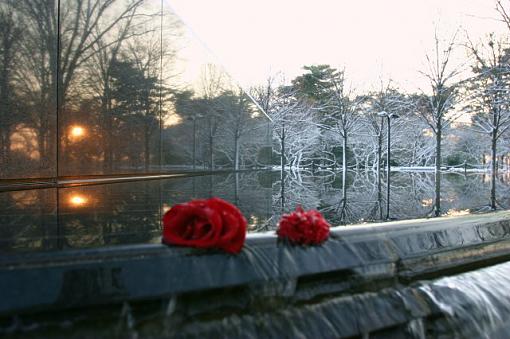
<point>372,39</point>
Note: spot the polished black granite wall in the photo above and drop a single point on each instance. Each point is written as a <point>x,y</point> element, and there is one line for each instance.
<point>116,87</point>
<point>74,217</point>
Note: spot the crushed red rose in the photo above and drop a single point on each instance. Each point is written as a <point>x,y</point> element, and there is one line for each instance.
<point>303,227</point>
<point>211,223</point>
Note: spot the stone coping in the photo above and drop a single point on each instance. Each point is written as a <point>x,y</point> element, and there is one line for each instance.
<point>399,251</point>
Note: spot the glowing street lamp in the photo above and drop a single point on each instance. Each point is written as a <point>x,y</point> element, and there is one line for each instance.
<point>77,132</point>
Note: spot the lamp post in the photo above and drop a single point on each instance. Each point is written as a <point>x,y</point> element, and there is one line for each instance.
<point>389,116</point>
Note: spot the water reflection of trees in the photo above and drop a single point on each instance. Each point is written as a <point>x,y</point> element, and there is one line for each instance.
<point>114,70</point>
<point>126,213</point>
<point>359,198</point>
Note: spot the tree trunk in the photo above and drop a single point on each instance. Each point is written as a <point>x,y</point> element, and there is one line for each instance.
<point>282,146</point>
<point>211,145</point>
<point>147,151</point>
<point>211,152</point>
<point>46,137</point>
<point>236,152</point>
<point>236,189</point>
<point>344,197</point>
<point>194,151</point>
<point>4,114</point>
<point>107,124</point>
<point>282,191</point>
<point>108,141</point>
<point>282,170</point>
<point>494,168</point>
<point>344,152</point>
<point>437,204</point>
<point>379,156</point>
<point>5,149</point>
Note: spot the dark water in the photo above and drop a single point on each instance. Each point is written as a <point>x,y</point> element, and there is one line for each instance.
<point>129,213</point>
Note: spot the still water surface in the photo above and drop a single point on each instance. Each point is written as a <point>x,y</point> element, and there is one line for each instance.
<point>130,213</point>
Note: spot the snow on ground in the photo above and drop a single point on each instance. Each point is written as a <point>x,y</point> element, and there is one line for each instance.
<point>396,169</point>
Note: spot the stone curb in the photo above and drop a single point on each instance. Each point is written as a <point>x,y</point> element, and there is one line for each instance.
<point>397,250</point>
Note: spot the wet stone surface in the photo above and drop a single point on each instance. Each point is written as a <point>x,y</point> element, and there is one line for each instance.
<point>353,284</point>
<point>470,305</point>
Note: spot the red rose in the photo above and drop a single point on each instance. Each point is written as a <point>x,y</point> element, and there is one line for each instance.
<point>303,227</point>
<point>211,223</point>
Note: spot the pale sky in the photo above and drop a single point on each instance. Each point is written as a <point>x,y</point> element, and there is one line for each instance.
<point>370,38</point>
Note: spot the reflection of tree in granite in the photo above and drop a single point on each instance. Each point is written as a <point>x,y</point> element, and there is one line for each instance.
<point>212,85</point>
<point>220,126</point>
<point>241,127</point>
<point>10,35</point>
<point>82,27</point>
<point>134,44</point>
<point>130,92</point>
<point>117,63</point>
<point>24,111</point>
<point>191,111</point>
<point>136,96</point>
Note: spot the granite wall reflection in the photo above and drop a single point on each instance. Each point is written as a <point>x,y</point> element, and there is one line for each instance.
<point>28,87</point>
<point>92,87</point>
<point>119,213</point>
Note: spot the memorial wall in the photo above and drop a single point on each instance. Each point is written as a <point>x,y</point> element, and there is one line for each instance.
<point>117,87</point>
<point>95,90</point>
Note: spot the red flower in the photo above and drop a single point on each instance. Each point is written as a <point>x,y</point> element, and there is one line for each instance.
<point>211,223</point>
<point>303,227</point>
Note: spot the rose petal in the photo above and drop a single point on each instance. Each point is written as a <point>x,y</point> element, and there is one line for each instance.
<point>181,221</point>
<point>234,225</point>
<point>303,227</point>
<point>176,219</point>
<point>212,223</point>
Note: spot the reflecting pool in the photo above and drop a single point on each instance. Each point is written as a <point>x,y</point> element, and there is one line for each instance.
<point>99,215</point>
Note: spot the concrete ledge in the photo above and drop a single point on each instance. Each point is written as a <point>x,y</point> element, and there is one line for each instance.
<point>366,253</point>
<point>469,305</point>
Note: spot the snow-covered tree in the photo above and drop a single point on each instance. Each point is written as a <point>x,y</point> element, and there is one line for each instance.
<point>325,89</point>
<point>438,108</point>
<point>488,100</point>
<point>370,139</point>
<point>296,132</point>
